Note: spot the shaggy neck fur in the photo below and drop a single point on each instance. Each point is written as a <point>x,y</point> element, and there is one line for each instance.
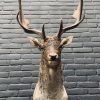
<point>50,79</point>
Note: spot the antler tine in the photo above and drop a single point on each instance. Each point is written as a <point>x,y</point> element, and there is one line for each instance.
<point>24,22</point>
<point>77,15</point>
<point>43,32</point>
<point>60,29</point>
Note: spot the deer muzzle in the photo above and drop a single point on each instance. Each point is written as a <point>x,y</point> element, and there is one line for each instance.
<point>53,56</point>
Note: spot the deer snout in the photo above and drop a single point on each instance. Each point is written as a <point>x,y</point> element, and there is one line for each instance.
<point>53,57</point>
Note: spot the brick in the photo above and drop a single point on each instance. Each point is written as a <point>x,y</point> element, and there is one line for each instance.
<point>6,17</point>
<point>35,73</point>
<point>86,39</point>
<point>25,45</point>
<point>20,62</point>
<point>94,78</point>
<point>93,20</point>
<point>70,85</point>
<point>89,11</point>
<point>97,8</point>
<point>89,34</point>
<point>18,40</point>
<point>20,74</point>
<point>94,91</point>
<point>8,93</point>
<point>13,56</point>
<point>31,56</point>
<point>87,85</point>
<point>96,3</point>
<point>98,71</point>
<point>29,67</point>
<point>4,51</point>
<point>67,50</point>
<point>71,97</point>
<point>2,41</point>
<point>97,60</point>
<point>2,98</point>
<point>67,55</point>
<point>74,66</point>
<point>82,50</point>
<point>3,57</point>
<point>84,60</point>
<point>26,80</point>
<point>4,62</point>
<point>4,74</point>
<point>80,30</point>
<point>9,8</point>
<point>89,97</point>
<point>67,61</point>
<point>35,62</point>
<point>9,80</point>
<point>90,25</point>
<point>78,55</point>
<point>12,34</point>
<point>9,68</point>
<point>91,44</point>
<point>85,72</point>
<point>96,49</point>
<point>21,51</point>
<point>3,87</point>
<point>68,72</point>
<point>90,17</point>
<point>11,46</point>
<point>18,98</point>
<point>75,45</point>
<point>75,78</point>
<point>99,84</point>
<point>25,93</point>
<point>7,26</point>
<point>92,66</point>
<point>94,30</point>
<point>92,55</point>
<point>19,86</point>
<point>77,91</point>
<point>95,39</point>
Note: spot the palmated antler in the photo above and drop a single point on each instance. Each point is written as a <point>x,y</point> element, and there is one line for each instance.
<point>24,23</point>
<point>77,15</point>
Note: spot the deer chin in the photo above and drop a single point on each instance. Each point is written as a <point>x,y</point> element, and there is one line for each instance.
<point>53,64</point>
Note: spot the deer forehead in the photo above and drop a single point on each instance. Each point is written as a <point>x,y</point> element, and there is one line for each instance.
<point>52,41</point>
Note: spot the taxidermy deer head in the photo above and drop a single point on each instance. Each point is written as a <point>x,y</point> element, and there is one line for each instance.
<point>51,46</point>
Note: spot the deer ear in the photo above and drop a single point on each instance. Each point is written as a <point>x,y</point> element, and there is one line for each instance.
<point>35,42</point>
<point>66,41</point>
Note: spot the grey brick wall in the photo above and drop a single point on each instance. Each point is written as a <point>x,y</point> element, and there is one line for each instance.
<point>19,61</point>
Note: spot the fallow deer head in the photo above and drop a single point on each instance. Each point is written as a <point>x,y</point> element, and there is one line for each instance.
<point>51,45</point>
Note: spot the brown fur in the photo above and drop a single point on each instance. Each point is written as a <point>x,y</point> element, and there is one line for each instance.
<point>50,83</point>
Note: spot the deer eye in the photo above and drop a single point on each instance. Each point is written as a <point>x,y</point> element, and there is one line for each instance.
<point>60,47</point>
<point>41,47</point>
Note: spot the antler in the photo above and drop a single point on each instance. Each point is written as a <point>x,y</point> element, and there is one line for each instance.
<point>24,23</point>
<point>77,15</point>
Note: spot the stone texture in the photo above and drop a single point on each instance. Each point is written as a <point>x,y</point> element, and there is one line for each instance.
<point>19,61</point>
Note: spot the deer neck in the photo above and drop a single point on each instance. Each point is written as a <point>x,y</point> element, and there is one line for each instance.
<point>50,79</point>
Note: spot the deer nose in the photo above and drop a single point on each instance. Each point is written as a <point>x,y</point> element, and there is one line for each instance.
<point>53,57</point>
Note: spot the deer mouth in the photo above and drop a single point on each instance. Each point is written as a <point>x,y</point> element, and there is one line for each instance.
<point>53,63</point>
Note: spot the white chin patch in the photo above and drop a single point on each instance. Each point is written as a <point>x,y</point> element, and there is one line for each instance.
<point>52,63</point>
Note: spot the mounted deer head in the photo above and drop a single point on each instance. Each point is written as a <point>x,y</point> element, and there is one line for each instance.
<point>51,45</point>
<point>50,83</point>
